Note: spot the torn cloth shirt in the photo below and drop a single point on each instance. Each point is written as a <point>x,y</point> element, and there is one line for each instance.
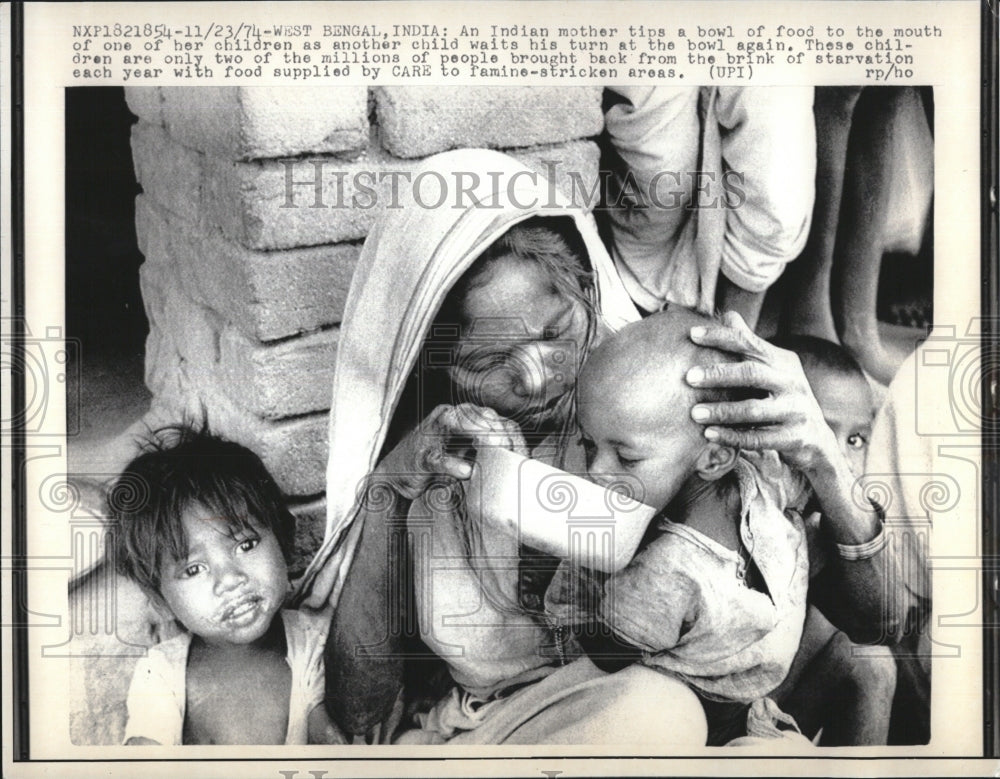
<point>157,695</point>
<point>683,599</point>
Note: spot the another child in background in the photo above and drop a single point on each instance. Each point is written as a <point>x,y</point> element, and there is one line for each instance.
<point>717,596</point>
<point>842,391</point>
<point>201,527</point>
<point>834,684</point>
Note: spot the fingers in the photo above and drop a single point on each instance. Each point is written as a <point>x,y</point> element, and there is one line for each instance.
<point>445,444</point>
<point>518,444</point>
<point>499,431</point>
<point>760,412</point>
<point>478,420</point>
<point>765,367</point>
<point>779,439</point>
<point>464,419</point>
<point>496,430</point>
<point>732,335</point>
<point>455,467</point>
<point>484,426</point>
<point>436,419</point>
<point>755,375</point>
<point>435,460</point>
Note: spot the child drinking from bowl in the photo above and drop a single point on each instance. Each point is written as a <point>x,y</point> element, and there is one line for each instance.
<point>717,595</point>
<point>201,528</point>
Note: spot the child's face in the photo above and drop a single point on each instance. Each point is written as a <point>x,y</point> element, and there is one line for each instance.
<point>232,583</point>
<point>639,433</point>
<point>847,405</point>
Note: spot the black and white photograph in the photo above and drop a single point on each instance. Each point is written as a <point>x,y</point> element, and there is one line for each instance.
<point>584,412</point>
<point>599,372</point>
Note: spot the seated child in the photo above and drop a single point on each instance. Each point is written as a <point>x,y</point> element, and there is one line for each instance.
<point>201,527</point>
<point>717,594</point>
<point>834,684</point>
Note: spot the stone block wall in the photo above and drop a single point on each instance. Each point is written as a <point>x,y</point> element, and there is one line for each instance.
<point>245,297</point>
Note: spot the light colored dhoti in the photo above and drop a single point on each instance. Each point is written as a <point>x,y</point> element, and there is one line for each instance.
<point>575,704</point>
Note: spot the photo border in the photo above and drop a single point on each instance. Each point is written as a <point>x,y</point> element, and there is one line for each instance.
<point>16,448</point>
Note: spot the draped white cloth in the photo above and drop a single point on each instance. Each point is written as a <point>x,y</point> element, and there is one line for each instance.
<point>410,260</point>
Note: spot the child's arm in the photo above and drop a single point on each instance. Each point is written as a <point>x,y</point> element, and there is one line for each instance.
<point>647,603</point>
<point>864,582</point>
<point>768,135</point>
<point>653,600</point>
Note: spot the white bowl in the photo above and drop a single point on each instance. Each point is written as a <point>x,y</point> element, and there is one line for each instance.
<point>558,512</point>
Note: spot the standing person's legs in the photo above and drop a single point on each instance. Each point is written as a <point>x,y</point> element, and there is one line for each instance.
<point>888,185</point>
<point>807,309</point>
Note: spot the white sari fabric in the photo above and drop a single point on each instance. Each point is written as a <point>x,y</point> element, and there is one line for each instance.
<point>411,259</point>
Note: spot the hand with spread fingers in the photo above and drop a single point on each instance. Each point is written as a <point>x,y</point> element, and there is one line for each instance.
<point>788,420</point>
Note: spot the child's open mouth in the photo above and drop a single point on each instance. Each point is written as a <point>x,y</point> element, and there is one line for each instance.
<point>242,612</point>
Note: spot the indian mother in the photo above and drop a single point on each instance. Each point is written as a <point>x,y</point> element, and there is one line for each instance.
<point>477,295</point>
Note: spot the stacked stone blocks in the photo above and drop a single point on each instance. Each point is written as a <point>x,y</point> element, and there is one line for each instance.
<point>245,279</point>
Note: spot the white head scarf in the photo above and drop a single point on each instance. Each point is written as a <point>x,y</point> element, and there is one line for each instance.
<point>411,259</point>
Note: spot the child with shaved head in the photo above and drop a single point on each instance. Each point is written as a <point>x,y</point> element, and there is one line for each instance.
<point>717,594</point>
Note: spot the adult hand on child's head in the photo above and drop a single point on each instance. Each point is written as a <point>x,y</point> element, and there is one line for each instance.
<point>444,445</point>
<point>788,419</point>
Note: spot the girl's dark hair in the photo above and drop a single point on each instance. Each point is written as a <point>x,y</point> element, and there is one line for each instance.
<point>181,466</point>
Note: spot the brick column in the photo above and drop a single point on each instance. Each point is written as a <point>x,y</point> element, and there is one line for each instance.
<point>245,295</point>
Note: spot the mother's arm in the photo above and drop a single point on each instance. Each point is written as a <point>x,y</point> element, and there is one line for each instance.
<point>863,592</point>
<point>366,646</point>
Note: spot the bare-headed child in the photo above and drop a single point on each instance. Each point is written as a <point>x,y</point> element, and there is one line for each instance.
<point>834,684</point>
<point>717,595</point>
<point>200,526</point>
<point>842,391</point>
